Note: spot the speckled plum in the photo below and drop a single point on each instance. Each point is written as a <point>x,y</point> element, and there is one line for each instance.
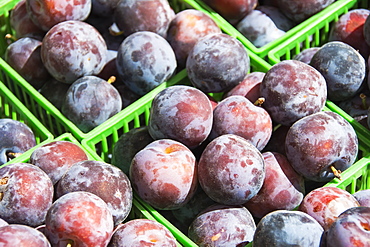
<point>102,179</point>
<point>237,115</point>
<point>283,187</point>
<point>80,218</point>
<point>26,194</point>
<point>231,170</point>
<point>319,143</point>
<point>292,90</point>
<point>47,13</point>
<point>142,233</point>
<point>72,49</point>
<point>56,157</point>
<point>144,61</point>
<point>22,236</point>
<point>186,29</point>
<point>217,63</point>
<point>181,113</point>
<point>164,174</point>
<point>221,225</point>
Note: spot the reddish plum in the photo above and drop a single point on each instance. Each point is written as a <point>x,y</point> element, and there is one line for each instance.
<point>22,236</point>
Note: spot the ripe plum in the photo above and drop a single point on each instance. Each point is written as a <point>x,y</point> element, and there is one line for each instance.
<point>186,29</point>
<point>56,157</point>
<point>283,187</point>
<point>363,197</point>
<point>231,170</point>
<point>90,101</point>
<point>16,138</point>
<point>164,174</point>
<point>144,61</point>
<point>55,91</point>
<point>72,49</point>
<point>22,236</point>
<point>343,68</point>
<point>217,63</point>
<point>26,194</point>
<point>102,179</point>
<point>281,21</point>
<point>221,225</point>
<point>47,13</point>
<point>181,113</point>
<point>237,115</point>
<point>306,55</point>
<point>325,204</point>
<point>321,144</point>
<point>366,30</point>
<point>103,8</point>
<point>79,218</point>
<point>287,228</point>
<point>292,90</point>
<point>142,233</point>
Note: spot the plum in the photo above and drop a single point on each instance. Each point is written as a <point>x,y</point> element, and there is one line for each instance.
<point>231,170</point>
<point>217,63</point>
<point>55,91</point>
<point>56,157</point>
<point>363,197</point>
<point>164,174</point>
<point>144,61</point>
<point>182,113</point>
<point>26,194</point>
<point>16,138</point>
<point>22,236</point>
<point>321,145</point>
<point>90,101</point>
<point>366,30</point>
<point>292,90</point>
<point>237,115</point>
<point>103,8</point>
<point>325,204</point>
<point>306,55</point>
<point>343,68</point>
<point>102,179</point>
<point>222,225</point>
<point>276,15</point>
<point>287,228</point>
<point>47,13</point>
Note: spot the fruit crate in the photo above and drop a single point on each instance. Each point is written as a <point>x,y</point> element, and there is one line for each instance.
<point>263,52</point>
<point>138,211</point>
<point>11,107</point>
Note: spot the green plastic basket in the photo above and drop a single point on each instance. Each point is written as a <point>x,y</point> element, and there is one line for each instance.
<point>11,107</point>
<point>263,51</point>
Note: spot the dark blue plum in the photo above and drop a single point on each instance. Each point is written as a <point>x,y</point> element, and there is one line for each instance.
<point>144,61</point>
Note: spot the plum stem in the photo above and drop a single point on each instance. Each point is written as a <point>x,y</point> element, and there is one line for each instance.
<point>12,155</point>
<point>336,172</point>
<point>259,101</point>
<point>363,100</point>
<point>111,79</point>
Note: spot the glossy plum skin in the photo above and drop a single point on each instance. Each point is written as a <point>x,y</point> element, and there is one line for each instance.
<point>318,142</point>
<point>56,157</point>
<point>72,49</point>
<point>217,63</point>
<point>144,61</point>
<point>249,87</point>
<point>363,197</point>
<point>233,10</point>
<point>128,145</point>
<point>27,194</point>
<point>350,29</point>
<point>16,137</point>
<point>90,101</point>
<point>22,236</point>
<point>221,225</point>
<point>299,11</point>
<point>283,188</point>
<point>164,174</point>
<point>152,15</point>
<point>259,28</point>
<point>79,218</point>
<point>237,115</point>
<point>142,232</point>
<point>47,13</point>
<point>24,55</point>
<point>102,179</point>
<point>343,68</point>
<point>292,90</point>
<point>231,170</point>
<point>186,29</point>
<point>351,228</point>
<point>287,228</point>
<point>181,113</point>
<point>325,204</point>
